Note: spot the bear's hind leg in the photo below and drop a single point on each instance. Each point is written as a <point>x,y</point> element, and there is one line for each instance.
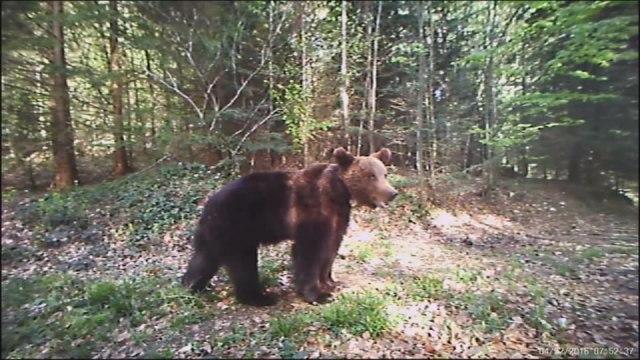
<point>201,269</point>
<point>243,270</point>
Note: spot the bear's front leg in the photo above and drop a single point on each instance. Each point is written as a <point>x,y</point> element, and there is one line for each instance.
<point>309,254</point>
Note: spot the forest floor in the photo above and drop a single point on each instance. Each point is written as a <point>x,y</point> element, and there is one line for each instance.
<point>536,270</point>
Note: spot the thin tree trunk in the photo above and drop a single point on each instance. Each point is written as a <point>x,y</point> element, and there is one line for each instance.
<point>153,99</point>
<point>121,161</point>
<point>467,152</point>
<point>429,95</point>
<point>374,80</point>
<point>344,96</point>
<point>367,84</point>
<point>305,76</point>
<point>523,164</point>
<point>575,173</point>
<point>272,156</point>
<point>62,134</point>
<point>421,94</point>
<point>489,95</point>
<point>361,128</point>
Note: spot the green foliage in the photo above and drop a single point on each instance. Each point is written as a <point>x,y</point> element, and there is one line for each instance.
<point>591,253</point>
<point>401,182</point>
<point>357,314</point>
<point>55,209</point>
<point>489,310</point>
<point>426,287</point>
<point>466,276</point>
<point>270,269</point>
<point>297,113</point>
<point>149,202</point>
<point>87,312</point>
<point>416,206</point>
<point>289,326</point>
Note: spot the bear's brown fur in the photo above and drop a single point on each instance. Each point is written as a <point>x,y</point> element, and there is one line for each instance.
<point>310,206</point>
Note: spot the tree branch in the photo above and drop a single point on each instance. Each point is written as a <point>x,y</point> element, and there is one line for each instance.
<point>253,129</point>
<point>176,89</point>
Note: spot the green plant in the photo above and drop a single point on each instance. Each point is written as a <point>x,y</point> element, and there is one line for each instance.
<point>466,276</point>
<point>288,326</point>
<point>489,310</point>
<point>269,271</point>
<point>60,310</point>
<point>401,182</point>
<point>357,314</point>
<point>591,253</point>
<point>363,252</point>
<point>426,287</point>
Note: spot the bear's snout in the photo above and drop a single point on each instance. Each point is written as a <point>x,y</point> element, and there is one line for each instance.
<point>393,196</point>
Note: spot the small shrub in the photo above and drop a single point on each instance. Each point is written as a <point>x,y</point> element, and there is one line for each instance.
<point>100,293</point>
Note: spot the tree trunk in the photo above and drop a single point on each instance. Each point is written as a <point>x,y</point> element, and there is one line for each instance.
<point>65,172</point>
<point>153,99</point>
<point>421,94</point>
<point>523,163</point>
<point>272,155</point>
<point>429,95</point>
<point>374,80</point>
<point>367,81</point>
<point>121,161</point>
<point>467,152</point>
<point>344,96</point>
<point>305,76</point>
<point>489,96</point>
<point>361,128</point>
<point>575,168</point>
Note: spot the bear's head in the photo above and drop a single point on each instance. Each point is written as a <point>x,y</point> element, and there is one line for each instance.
<point>366,177</point>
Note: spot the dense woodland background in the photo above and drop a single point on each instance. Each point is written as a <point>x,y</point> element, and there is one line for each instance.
<point>98,89</point>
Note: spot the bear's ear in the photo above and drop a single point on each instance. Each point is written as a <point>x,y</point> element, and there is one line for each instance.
<point>343,158</point>
<point>383,155</point>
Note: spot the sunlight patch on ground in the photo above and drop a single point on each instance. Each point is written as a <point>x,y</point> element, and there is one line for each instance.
<point>444,219</point>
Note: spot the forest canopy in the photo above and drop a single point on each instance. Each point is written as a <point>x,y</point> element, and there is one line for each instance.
<point>99,89</point>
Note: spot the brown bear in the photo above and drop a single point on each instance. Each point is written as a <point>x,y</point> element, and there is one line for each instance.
<point>310,207</point>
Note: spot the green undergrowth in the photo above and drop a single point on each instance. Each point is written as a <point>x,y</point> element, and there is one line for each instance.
<point>75,317</point>
<point>144,204</point>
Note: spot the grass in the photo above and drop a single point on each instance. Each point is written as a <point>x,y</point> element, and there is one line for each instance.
<point>237,335</point>
<point>632,249</point>
<point>270,269</point>
<point>75,316</point>
<point>591,253</point>
<point>466,276</point>
<point>488,310</point>
<point>363,252</point>
<point>290,325</point>
<point>358,314</point>
<point>426,287</point>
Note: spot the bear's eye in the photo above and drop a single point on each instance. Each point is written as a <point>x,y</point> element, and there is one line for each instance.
<point>372,177</point>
